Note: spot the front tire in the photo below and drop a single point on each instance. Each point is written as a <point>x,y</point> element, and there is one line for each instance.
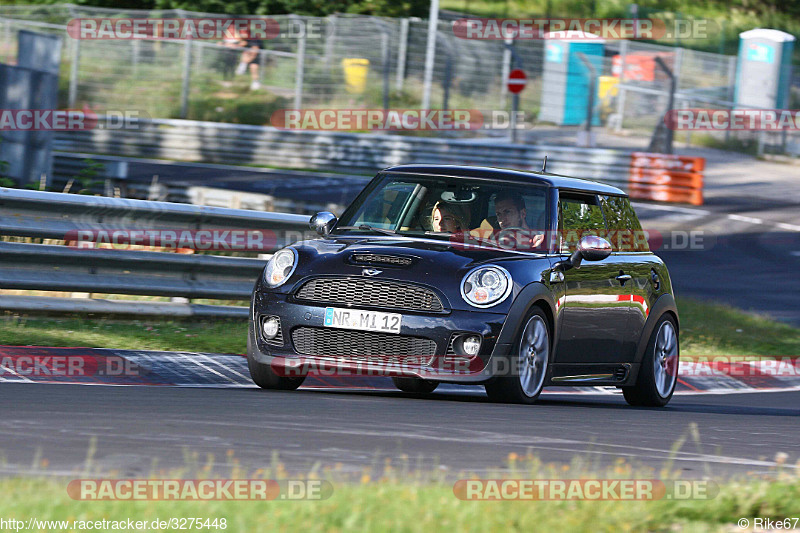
<point>530,364</point>
<point>415,385</point>
<point>659,371</point>
<point>265,377</point>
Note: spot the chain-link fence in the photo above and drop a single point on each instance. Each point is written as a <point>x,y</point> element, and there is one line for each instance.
<point>306,66</point>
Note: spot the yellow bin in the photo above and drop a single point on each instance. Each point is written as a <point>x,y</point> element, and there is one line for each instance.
<point>355,74</point>
<point>607,92</point>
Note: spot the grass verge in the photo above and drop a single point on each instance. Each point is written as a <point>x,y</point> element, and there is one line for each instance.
<point>706,329</point>
<point>414,501</point>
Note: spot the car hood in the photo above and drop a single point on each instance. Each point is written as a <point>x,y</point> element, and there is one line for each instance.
<point>438,264</point>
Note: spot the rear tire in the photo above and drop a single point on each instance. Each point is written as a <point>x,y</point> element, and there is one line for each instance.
<point>529,364</point>
<point>659,370</point>
<point>266,378</point>
<point>415,385</point>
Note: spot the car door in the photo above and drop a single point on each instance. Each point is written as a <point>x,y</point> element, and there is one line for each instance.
<point>595,309</point>
<point>629,245</point>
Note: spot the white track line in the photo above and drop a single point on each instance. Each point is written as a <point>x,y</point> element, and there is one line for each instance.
<point>751,220</point>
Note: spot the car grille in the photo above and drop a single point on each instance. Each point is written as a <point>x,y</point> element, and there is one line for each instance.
<point>355,344</point>
<point>370,292</point>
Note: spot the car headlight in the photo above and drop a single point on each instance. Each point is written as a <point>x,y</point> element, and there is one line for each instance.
<point>280,267</point>
<point>486,286</point>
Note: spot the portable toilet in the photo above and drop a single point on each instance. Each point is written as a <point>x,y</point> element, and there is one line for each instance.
<point>764,69</point>
<point>565,79</point>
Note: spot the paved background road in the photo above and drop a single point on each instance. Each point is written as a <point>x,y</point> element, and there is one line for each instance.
<point>136,426</point>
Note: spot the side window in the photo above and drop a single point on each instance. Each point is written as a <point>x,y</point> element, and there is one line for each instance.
<point>625,232</point>
<point>579,216</point>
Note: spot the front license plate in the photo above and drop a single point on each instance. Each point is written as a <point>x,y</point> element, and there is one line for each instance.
<point>336,317</point>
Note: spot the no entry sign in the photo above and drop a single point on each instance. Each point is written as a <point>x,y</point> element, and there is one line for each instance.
<point>516,80</point>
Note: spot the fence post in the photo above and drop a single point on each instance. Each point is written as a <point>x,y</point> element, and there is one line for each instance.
<point>298,80</point>
<point>135,52</point>
<point>73,73</point>
<point>386,60</point>
<point>401,55</point>
<point>330,41</point>
<point>187,70</point>
<point>676,68</point>
<point>623,53</point>
<point>506,69</point>
<point>430,54</point>
<point>7,35</point>
<point>590,102</point>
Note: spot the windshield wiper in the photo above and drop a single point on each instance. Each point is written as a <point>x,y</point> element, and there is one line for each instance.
<point>367,227</point>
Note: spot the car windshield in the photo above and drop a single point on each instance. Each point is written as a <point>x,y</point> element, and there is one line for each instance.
<point>439,207</point>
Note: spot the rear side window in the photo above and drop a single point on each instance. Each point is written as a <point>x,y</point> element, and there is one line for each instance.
<point>624,230</point>
<point>579,216</point>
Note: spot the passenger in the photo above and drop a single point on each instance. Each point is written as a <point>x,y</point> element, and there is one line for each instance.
<point>448,218</point>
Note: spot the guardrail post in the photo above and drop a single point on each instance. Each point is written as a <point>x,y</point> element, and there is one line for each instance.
<point>298,79</point>
<point>73,73</point>
<point>187,69</point>
<point>401,55</point>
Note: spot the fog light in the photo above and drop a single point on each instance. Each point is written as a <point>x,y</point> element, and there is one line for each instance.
<point>471,345</point>
<point>271,327</point>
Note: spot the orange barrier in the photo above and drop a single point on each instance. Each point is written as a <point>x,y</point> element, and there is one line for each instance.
<point>666,178</point>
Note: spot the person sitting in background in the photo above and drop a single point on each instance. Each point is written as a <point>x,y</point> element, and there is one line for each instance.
<point>249,58</point>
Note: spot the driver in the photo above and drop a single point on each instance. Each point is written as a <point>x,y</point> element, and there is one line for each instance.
<point>510,210</point>
<point>511,213</point>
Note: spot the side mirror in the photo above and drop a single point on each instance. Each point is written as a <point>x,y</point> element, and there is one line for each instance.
<point>323,222</point>
<point>590,248</point>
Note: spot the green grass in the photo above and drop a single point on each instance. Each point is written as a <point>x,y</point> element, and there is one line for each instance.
<point>217,336</point>
<point>706,329</point>
<point>715,329</point>
<point>415,501</point>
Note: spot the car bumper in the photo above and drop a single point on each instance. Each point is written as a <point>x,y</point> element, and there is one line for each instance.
<point>284,358</point>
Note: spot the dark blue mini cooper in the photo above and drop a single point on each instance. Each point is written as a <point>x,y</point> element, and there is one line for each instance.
<point>447,274</point>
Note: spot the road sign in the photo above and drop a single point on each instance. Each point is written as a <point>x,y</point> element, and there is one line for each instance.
<point>516,80</point>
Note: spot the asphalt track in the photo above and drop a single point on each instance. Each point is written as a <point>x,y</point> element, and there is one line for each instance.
<point>137,428</point>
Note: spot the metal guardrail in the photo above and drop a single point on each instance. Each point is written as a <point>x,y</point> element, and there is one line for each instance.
<point>114,179</point>
<point>48,267</point>
<point>212,142</point>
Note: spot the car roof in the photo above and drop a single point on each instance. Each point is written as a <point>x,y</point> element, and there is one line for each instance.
<point>508,174</point>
